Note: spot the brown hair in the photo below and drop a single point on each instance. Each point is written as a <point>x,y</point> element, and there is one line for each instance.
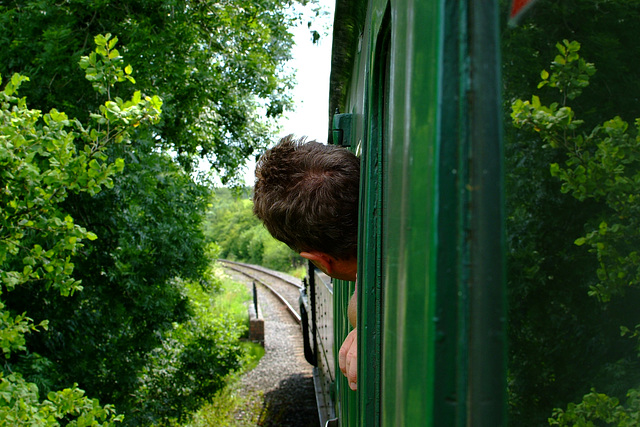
<point>306,194</point>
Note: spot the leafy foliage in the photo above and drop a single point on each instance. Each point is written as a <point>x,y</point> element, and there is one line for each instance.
<point>562,342</point>
<point>600,407</point>
<point>242,237</point>
<point>219,69</point>
<point>149,228</point>
<point>193,361</point>
<point>600,165</point>
<point>605,30</point>
<point>41,165</point>
<point>219,66</point>
<point>41,168</point>
<point>21,406</point>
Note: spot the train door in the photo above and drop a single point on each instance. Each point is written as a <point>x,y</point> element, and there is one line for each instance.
<point>418,81</point>
<point>372,215</point>
<point>367,117</point>
<point>443,340</point>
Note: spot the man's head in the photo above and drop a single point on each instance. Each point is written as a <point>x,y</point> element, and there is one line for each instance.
<point>306,193</point>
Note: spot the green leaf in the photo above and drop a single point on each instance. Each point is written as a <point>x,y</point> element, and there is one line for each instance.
<point>119,165</point>
<point>101,40</point>
<point>535,102</point>
<point>17,79</point>
<point>113,42</point>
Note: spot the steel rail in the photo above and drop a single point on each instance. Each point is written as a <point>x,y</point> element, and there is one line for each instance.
<point>234,266</point>
<point>276,274</point>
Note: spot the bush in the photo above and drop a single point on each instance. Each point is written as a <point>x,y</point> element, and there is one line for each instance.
<point>44,160</point>
<point>600,170</point>
<point>195,357</point>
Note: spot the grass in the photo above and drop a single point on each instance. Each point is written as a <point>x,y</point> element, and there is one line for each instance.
<point>299,272</point>
<point>233,299</point>
<point>229,408</point>
<point>254,353</point>
<point>232,406</point>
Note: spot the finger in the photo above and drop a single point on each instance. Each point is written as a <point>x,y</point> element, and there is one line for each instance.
<point>352,366</point>
<point>344,350</point>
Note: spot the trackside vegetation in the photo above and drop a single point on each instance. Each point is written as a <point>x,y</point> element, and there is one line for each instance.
<point>45,158</point>
<point>242,237</point>
<point>599,166</point>
<point>108,293</point>
<point>109,303</point>
<point>570,136</point>
<point>42,167</point>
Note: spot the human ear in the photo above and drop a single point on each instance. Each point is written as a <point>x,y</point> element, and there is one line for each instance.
<point>323,261</point>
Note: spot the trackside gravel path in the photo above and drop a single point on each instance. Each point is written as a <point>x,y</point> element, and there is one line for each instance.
<point>283,378</point>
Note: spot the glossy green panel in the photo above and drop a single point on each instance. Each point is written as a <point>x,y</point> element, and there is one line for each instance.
<point>360,408</point>
<point>371,257</point>
<point>443,340</point>
<point>346,402</point>
<point>451,317</point>
<point>425,112</point>
<point>410,241</point>
<point>486,386</point>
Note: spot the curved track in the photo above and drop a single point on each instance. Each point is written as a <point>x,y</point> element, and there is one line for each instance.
<point>280,390</point>
<point>285,288</point>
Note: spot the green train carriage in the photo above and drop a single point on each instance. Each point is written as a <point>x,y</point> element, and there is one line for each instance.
<point>415,87</point>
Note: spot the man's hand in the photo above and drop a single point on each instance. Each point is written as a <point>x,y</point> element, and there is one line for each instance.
<point>348,359</point>
<point>352,309</point>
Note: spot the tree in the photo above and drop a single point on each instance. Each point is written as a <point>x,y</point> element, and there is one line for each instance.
<point>41,167</point>
<point>242,237</point>
<point>549,277</point>
<point>600,167</point>
<point>219,68</point>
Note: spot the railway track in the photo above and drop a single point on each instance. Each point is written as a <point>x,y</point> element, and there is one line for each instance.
<point>283,380</point>
<point>285,288</point>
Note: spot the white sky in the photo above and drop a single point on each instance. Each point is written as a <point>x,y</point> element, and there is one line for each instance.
<point>313,62</point>
<point>311,94</point>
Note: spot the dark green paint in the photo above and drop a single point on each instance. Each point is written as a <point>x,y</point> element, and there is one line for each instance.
<point>423,94</point>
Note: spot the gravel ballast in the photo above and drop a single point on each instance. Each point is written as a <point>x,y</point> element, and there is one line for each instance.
<point>283,378</point>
